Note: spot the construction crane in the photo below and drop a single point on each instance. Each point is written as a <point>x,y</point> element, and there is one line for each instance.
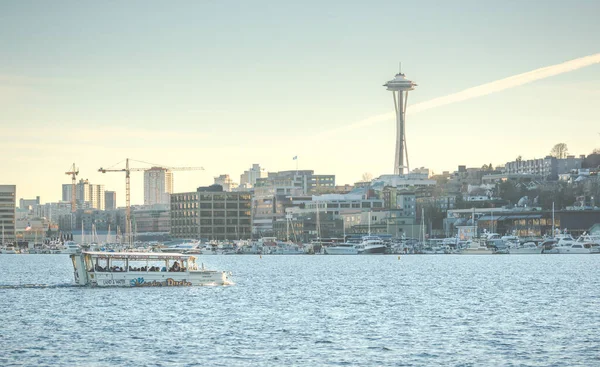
<point>74,172</point>
<point>128,170</point>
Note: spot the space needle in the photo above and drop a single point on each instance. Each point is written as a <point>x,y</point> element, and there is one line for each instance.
<point>400,86</point>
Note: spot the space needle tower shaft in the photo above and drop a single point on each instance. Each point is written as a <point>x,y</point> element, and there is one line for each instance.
<point>400,86</point>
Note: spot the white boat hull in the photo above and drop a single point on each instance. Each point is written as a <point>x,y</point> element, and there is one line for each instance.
<point>525,251</point>
<point>341,250</point>
<point>570,250</point>
<point>158,279</point>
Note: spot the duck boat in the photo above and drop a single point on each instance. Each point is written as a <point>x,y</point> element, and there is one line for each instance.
<point>143,269</point>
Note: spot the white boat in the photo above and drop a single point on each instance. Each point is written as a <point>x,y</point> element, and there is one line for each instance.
<point>564,239</point>
<point>70,247</point>
<point>590,241</point>
<point>475,247</point>
<point>526,248</point>
<point>371,245</point>
<point>341,249</point>
<point>8,250</point>
<point>143,269</point>
<point>575,248</point>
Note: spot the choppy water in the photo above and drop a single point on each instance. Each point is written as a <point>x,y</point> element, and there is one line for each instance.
<point>536,310</point>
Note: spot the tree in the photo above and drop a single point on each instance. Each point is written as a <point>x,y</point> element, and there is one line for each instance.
<point>559,151</point>
<point>366,177</point>
<point>519,159</point>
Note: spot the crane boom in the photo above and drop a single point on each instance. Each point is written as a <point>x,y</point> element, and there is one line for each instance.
<point>73,172</point>
<point>128,170</point>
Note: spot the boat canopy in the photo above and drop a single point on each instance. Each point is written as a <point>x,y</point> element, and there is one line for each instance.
<point>139,255</point>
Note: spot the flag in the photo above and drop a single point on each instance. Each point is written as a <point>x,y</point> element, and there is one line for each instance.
<point>295,157</point>
<point>28,226</point>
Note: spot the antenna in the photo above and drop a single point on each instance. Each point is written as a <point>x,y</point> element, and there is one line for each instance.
<point>400,67</point>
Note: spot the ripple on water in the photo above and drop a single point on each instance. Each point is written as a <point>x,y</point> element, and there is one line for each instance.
<point>311,310</point>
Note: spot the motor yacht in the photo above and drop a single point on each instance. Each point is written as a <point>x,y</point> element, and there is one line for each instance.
<point>371,245</point>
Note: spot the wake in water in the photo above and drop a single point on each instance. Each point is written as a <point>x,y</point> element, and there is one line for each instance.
<point>19,286</point>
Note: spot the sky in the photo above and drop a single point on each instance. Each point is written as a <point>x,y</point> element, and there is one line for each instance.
<point>225,84</point>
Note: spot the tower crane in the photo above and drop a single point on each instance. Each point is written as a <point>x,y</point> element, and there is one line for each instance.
<point>128,170</point>
<point>73,172</point>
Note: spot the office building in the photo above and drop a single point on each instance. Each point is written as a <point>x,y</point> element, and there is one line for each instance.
<point>7,213</point>
<point>211,213</point>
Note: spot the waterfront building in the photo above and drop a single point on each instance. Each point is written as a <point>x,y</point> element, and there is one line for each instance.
<point>274,193</point>
<point>211,213</point>
<point>158,186</point>
<point>7,212</point>
<point>151,219</point>
<point>110,200</point>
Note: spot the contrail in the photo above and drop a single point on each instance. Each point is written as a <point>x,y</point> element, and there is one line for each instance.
<point>480,90</point>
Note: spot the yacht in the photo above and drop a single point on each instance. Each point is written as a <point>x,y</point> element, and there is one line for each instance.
<point>475,247</point>
<point>575,248</point>
<point>371,245</point>
<point>70,247</point>
<point>526,248</point>
<point>564,239</point>
<point>341,249</point>
<point>590,241</point>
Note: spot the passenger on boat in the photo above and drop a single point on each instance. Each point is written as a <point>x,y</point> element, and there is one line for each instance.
<point>175,267</point>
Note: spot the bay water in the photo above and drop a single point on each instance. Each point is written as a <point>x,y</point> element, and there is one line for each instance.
<point>417,310</point>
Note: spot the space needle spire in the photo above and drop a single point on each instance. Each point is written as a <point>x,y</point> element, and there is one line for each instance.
<point>400,86</point>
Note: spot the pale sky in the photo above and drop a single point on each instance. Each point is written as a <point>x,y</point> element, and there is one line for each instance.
<point>225,84</point>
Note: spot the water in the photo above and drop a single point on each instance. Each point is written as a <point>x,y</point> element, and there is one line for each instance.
<point>531,310</point>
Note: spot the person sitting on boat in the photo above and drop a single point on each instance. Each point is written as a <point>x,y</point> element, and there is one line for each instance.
<point>175,267</point>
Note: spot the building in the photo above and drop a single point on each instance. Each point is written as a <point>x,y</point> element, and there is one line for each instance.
<point>87,195</point>
<point>211,213</point>
<point>226,182</point>
<point>151,219</point>
<point>548,168</point>
<point>29,204</point>
<point>110,200</point>
<point>8,195</point>
<point>158,185</point>
<point>249,177</point>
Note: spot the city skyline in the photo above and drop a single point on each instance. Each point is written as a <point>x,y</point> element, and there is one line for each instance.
<point>157,85</point>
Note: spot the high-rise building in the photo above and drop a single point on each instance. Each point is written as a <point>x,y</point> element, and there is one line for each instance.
<point>86,194</point>
<point>250,176</point>
<point>226,182</point>
<point>158,185</point>
<point>110,200</point>
<point>400,86</point>
<point>29,203</point>
<point>8,195</point>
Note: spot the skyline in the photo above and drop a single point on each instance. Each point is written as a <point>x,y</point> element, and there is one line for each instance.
<point>91,84</point>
